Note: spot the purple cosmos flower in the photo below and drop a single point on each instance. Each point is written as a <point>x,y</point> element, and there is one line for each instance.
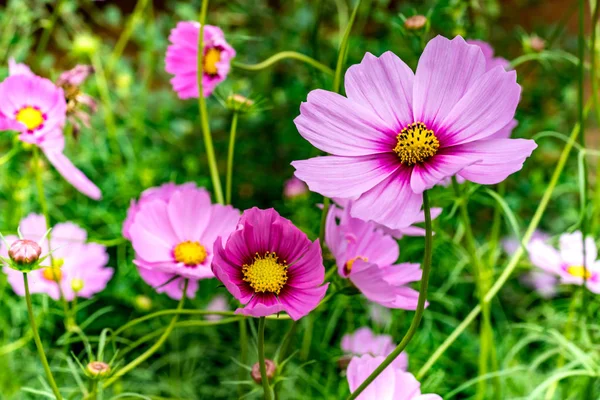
<point>182,59</point>
<point>172,229</point>
<point>270,266</point>
<point>364,341</point>
<point>488,53</point>
<point>392,384</point>
<point>397,134</point>
<point>79,267</point>
<point>567,263</point>
<point>37,109</point>
<point>365,254</point>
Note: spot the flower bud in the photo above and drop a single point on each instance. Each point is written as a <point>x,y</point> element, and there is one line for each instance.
<point>536,43</point>
<point>239,103</point>
<point>98,369</point>
<point>75,76</point>
<point>24,252</point>
<point>255,374</point>
<point>415,22</point>
<point>85,44</point>
<point>143,303</point>
<point>77,285</point>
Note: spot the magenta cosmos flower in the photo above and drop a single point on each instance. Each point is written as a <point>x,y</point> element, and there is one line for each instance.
<point>172,229</point>
<point>364,341</point>
<point>182,59</point>
<point>365,254</point>
<point>79,267</point>
<point>567,263</point>
<point>270,266</point>
<point>37,109</point>
<point>397,134</point>
<point>392,384</point>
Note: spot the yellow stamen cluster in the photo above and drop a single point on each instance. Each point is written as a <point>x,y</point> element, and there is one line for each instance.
<point>210,60</point>
<point>31,117</point>
<point>350,263</point>
<point>52,274</point>
<point>190,253</point>
<point>266,273</point>
<point>416,144</point>
<point>579,271</point>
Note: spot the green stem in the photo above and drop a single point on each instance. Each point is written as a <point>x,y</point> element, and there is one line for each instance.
<point>140,7</point>
<point>148,353</point>
<point>230,155</point>
<point>41,47</point>
<point>243,325</point>
<point>8,156</point>
<point>512,264</point>
<point>210,151</point>
<point>420,305</point>
<point>595,89</point>
<point>38,342</point>
<point>261,358</point>
<point>282,56</point>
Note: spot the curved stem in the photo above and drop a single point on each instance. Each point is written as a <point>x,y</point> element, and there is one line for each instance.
<point>261,358</point>
<point>210,151</point>
<point>148,353</point>
<point>38,342</point>
<point>41,47</point>
<point>140,7</point>
<point>230,154</point>
<point>512,264</point>
<point>420,305</point>
<point>8,156</point>
<point>282,56</point>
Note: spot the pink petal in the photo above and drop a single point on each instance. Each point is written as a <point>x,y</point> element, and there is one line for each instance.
<point>444,164</point>
<point>385,85</point>
<point>189,213</point>
<point>299,302</point>
<point>544,256</point>
<point>73,175</point>
<point>506,131</point>
<point>309,270</point>
<point>382,388</point>
<point>261,305</point>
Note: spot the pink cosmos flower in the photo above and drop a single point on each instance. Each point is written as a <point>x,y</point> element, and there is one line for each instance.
<point>488,53</point>
<point>567,263</point>
<point>392,384</point>
<point>182,59</point>
<point>37,109</point>
<point>218,303</point>
<point>363,341</point>
<point>294,187</point>
<point>397,134</point>
<point>365,254</point>
<point>172,229</point>
<point>79,267</point>
<point>270,266</point>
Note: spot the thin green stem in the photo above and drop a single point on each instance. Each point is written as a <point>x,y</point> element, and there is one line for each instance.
<point>38,342</point>
<point>512,264</point>
<point>261,358</point>
<point>420,305</point>
<point>230,155</point>
<point>8,156</point>
<point>148,353</point>
<point>282,56</point>
<point>243,325</point>
<point>595,89</point>
<point>140,7</point>
<point>208,143</point>
<point>41,47</point>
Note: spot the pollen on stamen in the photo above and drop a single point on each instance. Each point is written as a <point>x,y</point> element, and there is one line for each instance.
<point>266,273</point>
<point>415,144</point>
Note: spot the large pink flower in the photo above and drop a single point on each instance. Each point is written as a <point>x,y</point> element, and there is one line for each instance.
<point>397,134</point>
<point>567,263</point>
<point>79,267</point>
<point>182,59</point>
<point>364,341</point>
<point>366,254</point>
<point>172,229</point>
<point>37,108</point>
<point>270,266</point>
<point>392,384</point>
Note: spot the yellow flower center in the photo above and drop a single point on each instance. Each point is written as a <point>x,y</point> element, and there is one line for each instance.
<point>416,144</point>
<point>210,60</point>
<point>266,273</point>
<point>350,263</point>
<point>190,253</point>
<point>579,271</point>
<point>31,117</point>
<point>52,274</point>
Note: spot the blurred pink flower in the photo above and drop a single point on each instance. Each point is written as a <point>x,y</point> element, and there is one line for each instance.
<point>363,341</point>
<point>294,187</point>
<point>172,229</point>
<point>38,109</point>
<point>182,59</point>
<point>488,53</point>
<point>365,254</point>
<point>270,266</point>
<point>567,263</point>
<point>218,303</point>
<point>380,315</point>
<point>399,133</point>
<point>392,384</point>
<point>75,262</point>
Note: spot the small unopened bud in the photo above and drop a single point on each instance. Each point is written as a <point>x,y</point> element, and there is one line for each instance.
<point>75,76</point>
<point>415,22</point>
<point>77,285</point>
<point>294,188</point>
<point>143,303</point>
<point>85,44</point>
<point>255,374</point>
<point>237,102</point>
<point>98,369</point>
<point>24,252</point>
<point>537,44</point>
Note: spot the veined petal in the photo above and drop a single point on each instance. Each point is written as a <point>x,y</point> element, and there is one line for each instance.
<point>73,175</point>
<point>444,164</point>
